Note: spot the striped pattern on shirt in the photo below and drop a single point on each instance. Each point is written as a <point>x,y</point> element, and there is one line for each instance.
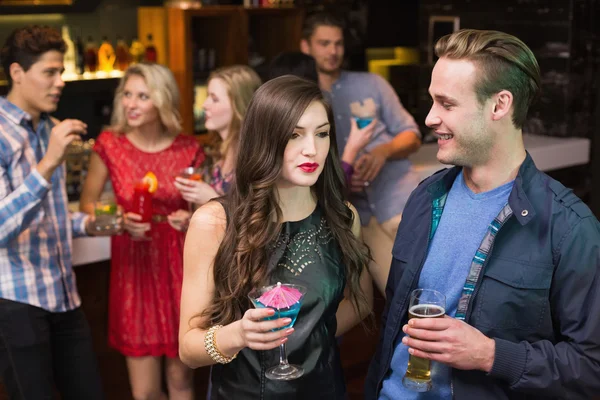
<point>36,228</point>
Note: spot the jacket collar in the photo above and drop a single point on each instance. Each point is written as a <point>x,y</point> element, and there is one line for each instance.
<point>517,200</point>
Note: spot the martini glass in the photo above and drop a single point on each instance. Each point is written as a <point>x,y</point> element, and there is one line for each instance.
<point>286,299</point>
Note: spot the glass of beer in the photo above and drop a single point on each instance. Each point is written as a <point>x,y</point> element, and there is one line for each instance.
<point>424,303</point>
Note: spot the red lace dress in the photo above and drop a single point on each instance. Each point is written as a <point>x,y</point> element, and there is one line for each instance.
<point>146,276</point>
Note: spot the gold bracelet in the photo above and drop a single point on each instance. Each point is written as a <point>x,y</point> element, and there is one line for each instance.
<point>210,344</point>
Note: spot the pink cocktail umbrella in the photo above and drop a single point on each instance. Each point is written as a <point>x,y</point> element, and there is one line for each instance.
<point>280,296</point>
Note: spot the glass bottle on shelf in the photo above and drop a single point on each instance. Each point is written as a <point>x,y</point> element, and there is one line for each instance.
<point>151,54</point>
<point>69,57</point>
<point>211,61</point>
<point>136,51</point>
<point>80,53</point>
<point>122,54</point>
<point>91,56</point>
<point>106,56</point>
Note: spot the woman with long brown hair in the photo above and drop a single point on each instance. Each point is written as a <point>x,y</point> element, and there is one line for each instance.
<point>283,220</point>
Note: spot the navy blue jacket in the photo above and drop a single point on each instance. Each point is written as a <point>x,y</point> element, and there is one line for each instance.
<point>538,295</point>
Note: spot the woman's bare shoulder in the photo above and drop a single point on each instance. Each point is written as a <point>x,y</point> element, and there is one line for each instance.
<point>210,216</point>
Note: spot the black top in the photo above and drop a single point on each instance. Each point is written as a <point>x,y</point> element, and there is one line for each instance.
<point>305,254</point>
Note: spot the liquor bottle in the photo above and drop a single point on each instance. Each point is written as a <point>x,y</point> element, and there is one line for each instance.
<point>122,54</point>
<point>136,51</point>
<point>80,53</point>
<point>106,56</point>
<point>151,54</point>
<point>91,55</point>
<point>69,57</point>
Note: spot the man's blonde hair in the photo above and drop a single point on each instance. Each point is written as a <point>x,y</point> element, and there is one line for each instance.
<point>163,93</point>
<point>504,61</point>
<point>241,82</point>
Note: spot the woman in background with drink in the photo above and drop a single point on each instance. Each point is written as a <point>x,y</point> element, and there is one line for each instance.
<point>285,220</point>
<point>140,154</point>
<point>229,92</point>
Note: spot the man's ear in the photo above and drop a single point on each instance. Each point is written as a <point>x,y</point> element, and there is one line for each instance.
<point>502,105</point>
<point>16,72</point>
<point>305,47</point>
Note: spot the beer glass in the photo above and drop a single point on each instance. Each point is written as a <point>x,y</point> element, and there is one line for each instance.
<point>424,303</point>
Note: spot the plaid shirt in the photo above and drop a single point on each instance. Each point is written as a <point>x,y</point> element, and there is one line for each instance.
<point>36,229</point>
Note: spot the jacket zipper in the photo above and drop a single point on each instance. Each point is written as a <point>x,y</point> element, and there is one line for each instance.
<point>470,308</point>
<point>412,285</point>
<point>479,279</point>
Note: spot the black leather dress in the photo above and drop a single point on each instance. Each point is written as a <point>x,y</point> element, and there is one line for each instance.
<point>305,254</point>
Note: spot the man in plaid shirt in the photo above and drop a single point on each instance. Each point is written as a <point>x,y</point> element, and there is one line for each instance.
<point>45,340</point>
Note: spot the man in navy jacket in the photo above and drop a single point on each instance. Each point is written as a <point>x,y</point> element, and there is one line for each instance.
<point>516,254</point>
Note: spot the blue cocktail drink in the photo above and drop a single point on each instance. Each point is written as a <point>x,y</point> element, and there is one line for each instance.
<point>286,300</point>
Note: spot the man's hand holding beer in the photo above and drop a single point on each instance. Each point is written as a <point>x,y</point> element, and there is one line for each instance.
<point>450,341</point>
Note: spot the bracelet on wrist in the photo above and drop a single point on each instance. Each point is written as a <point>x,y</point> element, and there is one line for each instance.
<point>210,344</point>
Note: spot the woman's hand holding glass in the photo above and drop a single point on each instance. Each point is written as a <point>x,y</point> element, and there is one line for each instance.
<point>197,192</point>
<point>132,225</point>
<point>357,140</point>
<point>257,333</point>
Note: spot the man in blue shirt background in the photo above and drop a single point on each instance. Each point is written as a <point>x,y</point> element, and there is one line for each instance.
<point>45,340</point>
<point>382,179</point>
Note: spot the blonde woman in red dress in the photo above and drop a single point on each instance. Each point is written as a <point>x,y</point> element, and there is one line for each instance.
<point>146,275</point>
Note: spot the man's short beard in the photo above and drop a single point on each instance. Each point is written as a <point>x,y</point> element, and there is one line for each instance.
<point>329,72</point>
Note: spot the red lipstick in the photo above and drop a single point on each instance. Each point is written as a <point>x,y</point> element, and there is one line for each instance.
<point>309,167</point>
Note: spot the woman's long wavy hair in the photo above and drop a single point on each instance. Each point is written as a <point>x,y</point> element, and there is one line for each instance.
<point>254,216</point>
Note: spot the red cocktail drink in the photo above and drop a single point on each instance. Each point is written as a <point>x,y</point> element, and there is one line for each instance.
<point>142,202</point>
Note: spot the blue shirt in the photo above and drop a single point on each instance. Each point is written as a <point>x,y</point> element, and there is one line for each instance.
<point>462,226</point>
<point>35,227</point>
<point>387,194</point>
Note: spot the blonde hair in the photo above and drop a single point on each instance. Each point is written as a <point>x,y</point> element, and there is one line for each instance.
<point>506,63</point>
<point>163,93</point>
<point>240,82</point>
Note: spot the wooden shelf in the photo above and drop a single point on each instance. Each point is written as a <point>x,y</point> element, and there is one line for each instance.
<point>84,78</point>
<point>226,31</point>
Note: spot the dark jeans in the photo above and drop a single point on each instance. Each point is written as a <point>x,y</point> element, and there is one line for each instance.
<point>41,350</point>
